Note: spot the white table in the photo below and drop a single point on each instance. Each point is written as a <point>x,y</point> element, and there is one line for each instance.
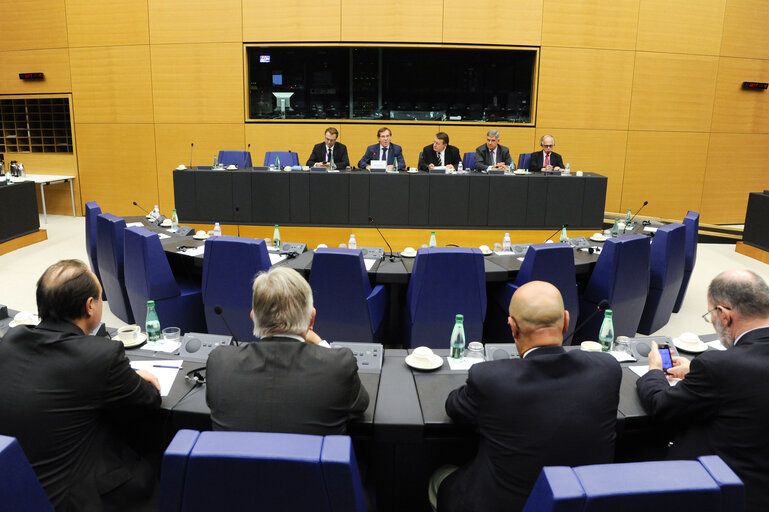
<point>47,179</point>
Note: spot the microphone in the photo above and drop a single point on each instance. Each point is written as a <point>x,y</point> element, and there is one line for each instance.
<point>153,219</point>
<point>636,213</point>
<point>218,310</point>
<point>604,304</point>
<point>556,232</point>
<point>192,144</point>
<point>371,221</point>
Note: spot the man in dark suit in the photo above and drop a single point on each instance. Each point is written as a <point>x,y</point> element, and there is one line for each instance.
<point>65,393</point>
<point>551,407</point>
<point>439,154</point>
<point>384,150</point>
<point>287,381</point>
<point>325,152</point>
<point>547,159</point>
<point>493,155</point>
<point>722,404</point>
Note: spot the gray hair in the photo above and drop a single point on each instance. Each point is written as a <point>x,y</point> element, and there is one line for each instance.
<point>743,291</point>
<point>493,133</point>
<point>282,303</point>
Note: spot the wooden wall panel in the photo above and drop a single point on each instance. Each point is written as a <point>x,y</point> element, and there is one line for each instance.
<point>583,88</point>
<point>310,21</point>
<point>54,63</point>
<point>513,22</point>
<point>678,26</point>
<point>32,24</point>
<point>112,84</point>
<point>590,23</point>
<point>107,22</point>
<point>296,137</point>
<point>745,29</point>
<point>117,166</point>
<point>395,21</point>
<point>198,83</point>
<point>599,151</point>
<point>737,110</point>
<point>198,21</point>
<point>173,143</point>
<point>725,196</point>
<point>667,169</point>
<point>673,92</point>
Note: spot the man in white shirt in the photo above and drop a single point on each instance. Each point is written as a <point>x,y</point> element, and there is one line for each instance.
<point>439,154</point>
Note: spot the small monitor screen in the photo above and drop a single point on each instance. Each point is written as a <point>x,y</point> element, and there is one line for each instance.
<point>277,79</point>
<point>264,58</point>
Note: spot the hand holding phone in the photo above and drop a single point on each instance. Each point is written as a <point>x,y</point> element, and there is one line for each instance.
<point>667,360</point>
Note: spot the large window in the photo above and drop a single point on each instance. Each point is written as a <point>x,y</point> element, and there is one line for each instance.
<point>406,83</point>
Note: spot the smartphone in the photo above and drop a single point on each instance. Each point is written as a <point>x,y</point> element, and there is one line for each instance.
<point>667,360</point>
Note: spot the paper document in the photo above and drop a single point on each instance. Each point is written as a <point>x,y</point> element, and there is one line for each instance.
<point>623,357</point>
<point>642,370</point>
<point>163,235</point>
<point>716,344</point>
<point>369,263</point>
<point>650,229</point>
<point>277,258</point>
<point>134,224</point>
<point>462,364</point>
<point>197,251</point>
<point>164,370</point>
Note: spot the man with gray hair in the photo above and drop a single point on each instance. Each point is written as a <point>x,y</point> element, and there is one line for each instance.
<point>492,155</point>
<point>286,381</point>
<point>722,404</point>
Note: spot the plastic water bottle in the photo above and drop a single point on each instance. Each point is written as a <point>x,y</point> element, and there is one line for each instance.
<point>507,246</point>
<point>606,334</point>
<point>152,325</point>
<point>628,217</point>
<point>460,167</point>
<point>331,164</point>
<point>216,161</point>
<point>458,338</point>
<point>568,168</point>
<point>352,243</point>
<point>615,229</point>
<point>174,221</point>
<point>564,237</point>
<point>395,164</point>
<point>156,213</point>
<point>217,229</point>
<point>277,162</point>
<point>433,241</point>
<point>276,237</point>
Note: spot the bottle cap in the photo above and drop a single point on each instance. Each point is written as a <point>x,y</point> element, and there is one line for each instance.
<point>151,303</point>
<point>608,312</point>
<point>460,318</point>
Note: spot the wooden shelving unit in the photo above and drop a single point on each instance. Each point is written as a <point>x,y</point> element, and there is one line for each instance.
<point>35,125</point>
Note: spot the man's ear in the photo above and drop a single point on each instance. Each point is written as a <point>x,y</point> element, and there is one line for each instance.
<point>89,307</point>
<point>312,319</point>
<point>565,321</point>
<point>513,328</point>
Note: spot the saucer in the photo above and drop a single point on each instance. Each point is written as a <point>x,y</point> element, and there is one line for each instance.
<point>181,168</point>
<point>520,171</point>
<point>412,171</point>
<point>24,319</point>
<point>139,341</point>
<point>406,253</point>
<point>599,238</point>
<point>167,223</point>
<point>196,237</point>
<point>436,362</point>
<point>485,250</point>
<point>686,348</point>
<point>232,167</point>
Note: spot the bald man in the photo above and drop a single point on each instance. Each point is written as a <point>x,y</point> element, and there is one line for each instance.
<point>551,407</point>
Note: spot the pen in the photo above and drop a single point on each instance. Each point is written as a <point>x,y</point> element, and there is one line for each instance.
<point>165,366</point>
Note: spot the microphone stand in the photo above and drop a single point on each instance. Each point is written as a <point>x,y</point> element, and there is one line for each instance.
<point>219,311</point>
<point>556,232</point>
<point>603,305</point>
<point>392,256</point>
<point>636,213</point>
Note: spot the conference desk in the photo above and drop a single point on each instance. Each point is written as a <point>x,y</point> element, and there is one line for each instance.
<point>18,210</point>
<point>394,200</point>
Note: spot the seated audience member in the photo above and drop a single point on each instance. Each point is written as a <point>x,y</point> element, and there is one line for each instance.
<point>64,393</point>
<point>284,382</point>
<point>551,407</point>
<point>547,159</point>
<point>722,404</point>
<point>439,154</point>
<point>384,150</point>
<point>493,155</point>
<point>323,152</point>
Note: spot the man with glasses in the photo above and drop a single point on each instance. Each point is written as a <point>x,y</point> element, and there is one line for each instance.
<point>722,404</point>
<point>547,159</point>
<point>325,152</point>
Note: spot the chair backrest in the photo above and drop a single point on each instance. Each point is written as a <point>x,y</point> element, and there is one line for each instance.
<point>174,469</point>
<point>557,489</point>
<point>286,158</point>
<point>468,161</point>
<point>148,274</point>
<point>340,286</point>
<point>109,246</point>
<point>19,487</point>
<point>692,224</point>
<point>340,472</point>
<point>666,272</point>
<point>91,211</point>
<point>446,281</point>
<point>230,264</point>
<point>523,160</point>
<point>239,158</point>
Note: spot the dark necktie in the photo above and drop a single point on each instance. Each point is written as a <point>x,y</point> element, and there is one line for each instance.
<point>328,159</point>
<point>384,154</point>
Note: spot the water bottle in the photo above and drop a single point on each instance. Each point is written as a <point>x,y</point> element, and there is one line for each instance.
<point>606,334</point>
<point>174,221</point>
<point>152,326</point>
<point>564,237</point>
<point>352,243</point>
<point>277,162</point>
<point>460,167</point>
<point>331,164</point>
<point>458,338</point>
<point>433,242</point>
<point>217,229</point>
<point>568,168</point>
<point>507,246</point>
<point>216,161</point>
<point>627,218</point>
<point>156,213</point>
<point>276,237</point>
<point>615,229</point>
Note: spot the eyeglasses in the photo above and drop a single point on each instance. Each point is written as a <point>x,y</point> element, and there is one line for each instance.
<point>548,145</point>
<point>706,316</point>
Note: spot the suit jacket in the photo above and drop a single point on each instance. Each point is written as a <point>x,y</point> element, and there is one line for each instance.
<point>429,156</point>
<point>292,387</point>
<point>553,408</point>
<point>320,154</point>
<point>372,153</point>
<point>63,394</point>
<point>722,408</point>
<point>537,161</point>
<point>483,157</point>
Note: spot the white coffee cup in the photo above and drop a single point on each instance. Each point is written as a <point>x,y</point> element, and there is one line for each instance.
<point>128,333</point>
<point>590,346</point>
<point>423,356</point>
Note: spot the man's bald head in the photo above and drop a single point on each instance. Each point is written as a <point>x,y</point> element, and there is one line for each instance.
<point>537,315</point>
<point>741,290</point>
<point>64,289</point>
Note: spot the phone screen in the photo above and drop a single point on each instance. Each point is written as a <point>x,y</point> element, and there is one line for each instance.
<point>667,361</point>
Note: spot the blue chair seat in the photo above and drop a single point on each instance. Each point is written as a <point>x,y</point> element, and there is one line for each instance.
<point>239,158</point>
<point>286,158</point>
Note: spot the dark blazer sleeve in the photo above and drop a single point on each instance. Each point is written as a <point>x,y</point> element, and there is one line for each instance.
<point>370,154</point>
<point>317,155</point>
<point>481,153</point>
<point>462,403</point>
<point>535,164</point>
<point>505,154</point>
<point>453,156</point>
<point>124,388</point>
<point>556,160</point>
<point>341,160</point>
<point>397,151</point>
<point>358,398</point>
<point>427,158</point>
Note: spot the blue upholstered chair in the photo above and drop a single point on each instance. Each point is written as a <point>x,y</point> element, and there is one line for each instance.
<point>557,489</point>
<point>445,282</point>
<point>523,160</point>
<point>92,210</point>
<point>286,158</point>
<point>665,276</point>
<point>174,470</point>
<point>148,276</point>
<point>19,487</point>
<point>239,158</point>
<point>621,276</point>
<point>109,249</point>
<point>340,473</point>
<point>468,161</point>
<point>348,309</point>
<point>692,223</point>
<point>229,267</point>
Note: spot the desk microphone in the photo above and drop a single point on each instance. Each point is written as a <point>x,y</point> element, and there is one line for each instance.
<point>142,209</point>
<point>604,304</point>
<point>153,219</point>
<point>192,144</point>
<point>633,217</point>
<point>218,310</point>
<point>371,221</point>
<point>556,232</point>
